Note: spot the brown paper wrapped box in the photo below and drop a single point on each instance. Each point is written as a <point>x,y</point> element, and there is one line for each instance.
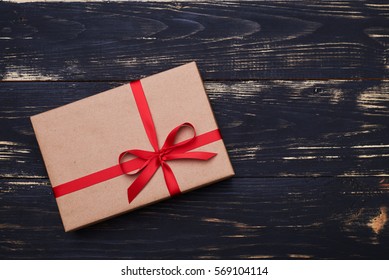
<point>88,135</point>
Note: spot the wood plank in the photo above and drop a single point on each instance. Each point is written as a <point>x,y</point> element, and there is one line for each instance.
<point>230,40</point>
<point>271,128</point>
<point>342,218</point>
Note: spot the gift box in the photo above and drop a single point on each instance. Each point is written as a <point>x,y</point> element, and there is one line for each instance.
<point>131,146</point>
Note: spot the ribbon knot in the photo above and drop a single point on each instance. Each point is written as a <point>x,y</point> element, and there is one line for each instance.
<point>150,161</point>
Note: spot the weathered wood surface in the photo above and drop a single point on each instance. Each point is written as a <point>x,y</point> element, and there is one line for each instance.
<point>229,40</point>
<point>311,154</point>
<point>271,128</point>
<point>240,218</point>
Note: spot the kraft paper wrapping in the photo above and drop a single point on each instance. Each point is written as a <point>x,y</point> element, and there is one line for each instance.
<point>88,135</point>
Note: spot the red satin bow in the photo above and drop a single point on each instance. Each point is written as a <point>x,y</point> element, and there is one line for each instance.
<point>153,160</point>
<point>159,157</point>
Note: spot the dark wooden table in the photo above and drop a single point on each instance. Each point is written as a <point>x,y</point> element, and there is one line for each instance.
<point>301,95</point>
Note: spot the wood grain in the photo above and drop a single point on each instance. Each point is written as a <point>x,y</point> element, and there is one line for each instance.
<point>229,40</point>
<point>271,128</point>
<point>239,218</point>
<point>300,90</point>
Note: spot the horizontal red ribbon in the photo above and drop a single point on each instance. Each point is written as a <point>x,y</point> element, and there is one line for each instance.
<point>147,163</point>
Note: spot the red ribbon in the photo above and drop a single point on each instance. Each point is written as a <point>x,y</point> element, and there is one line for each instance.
<point>147,163</point>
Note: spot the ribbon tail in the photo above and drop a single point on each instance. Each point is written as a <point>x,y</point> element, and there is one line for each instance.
<point>140,182</point>
<point>170,180</point>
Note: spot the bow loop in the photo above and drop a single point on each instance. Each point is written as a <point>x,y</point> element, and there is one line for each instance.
<point>170,139</point>
<point>146,156</point>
